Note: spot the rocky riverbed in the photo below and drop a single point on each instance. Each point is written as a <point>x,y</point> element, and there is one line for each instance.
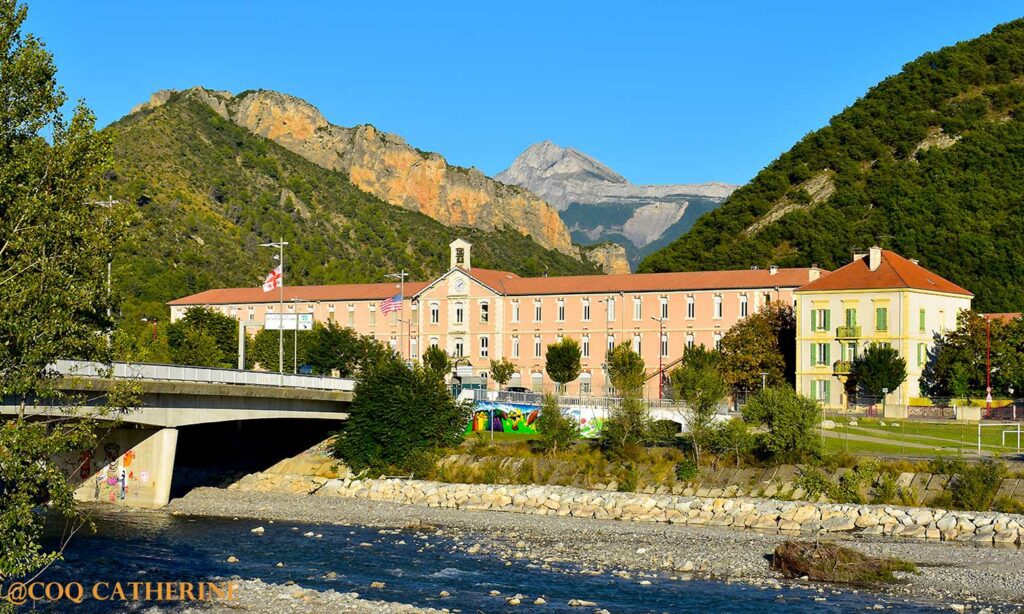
<point>958,574</point>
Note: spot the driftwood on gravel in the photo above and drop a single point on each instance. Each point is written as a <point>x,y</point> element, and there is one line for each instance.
<point>829,562</point>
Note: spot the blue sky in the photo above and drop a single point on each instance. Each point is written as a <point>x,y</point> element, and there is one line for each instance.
<point>661,92</point>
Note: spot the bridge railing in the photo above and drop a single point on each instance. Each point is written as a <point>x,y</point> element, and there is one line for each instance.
<point>207,375</point>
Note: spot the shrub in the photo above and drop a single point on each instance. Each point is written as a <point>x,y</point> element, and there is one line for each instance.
<point>555,430</point>
<point>398,414</point>
<point>731,437</point>
<point>886,490</point>
<point>562,361</point>
<point>629,424</point>
<point>791,421</point>
<point>686,470</point>
<point>204,337</point>
<point>974,486</point>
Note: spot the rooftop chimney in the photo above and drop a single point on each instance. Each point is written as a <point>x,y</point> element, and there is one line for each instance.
<point>915,261</point>
<point>773,269</point>
<point>874,258</point>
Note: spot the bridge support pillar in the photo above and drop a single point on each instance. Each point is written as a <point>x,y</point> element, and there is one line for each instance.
<point>130,467</point>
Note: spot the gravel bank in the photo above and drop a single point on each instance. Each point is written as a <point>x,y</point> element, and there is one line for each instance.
<point>259,597</point>
<point>952,573</point>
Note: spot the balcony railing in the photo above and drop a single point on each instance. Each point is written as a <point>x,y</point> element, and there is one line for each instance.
<point>841,367</point>
<point>848,332</point>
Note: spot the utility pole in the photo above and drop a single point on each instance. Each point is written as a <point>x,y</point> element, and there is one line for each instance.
<point>295,338</point>
<point>280,301</point>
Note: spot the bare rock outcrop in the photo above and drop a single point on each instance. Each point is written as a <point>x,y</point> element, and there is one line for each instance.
<point>611,257</point>
<point>384,165</point>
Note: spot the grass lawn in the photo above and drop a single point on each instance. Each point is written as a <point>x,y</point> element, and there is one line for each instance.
<point>871,448</point>
<point>938,434</point>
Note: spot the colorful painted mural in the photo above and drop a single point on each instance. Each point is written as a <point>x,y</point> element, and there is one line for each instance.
<point>515,418</point>
<point>520,418</point>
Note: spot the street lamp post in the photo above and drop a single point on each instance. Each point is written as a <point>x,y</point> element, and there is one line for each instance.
<point>400,276</point>
<point>661,368</point>
<point>295,338</point>
<point>280,301</point>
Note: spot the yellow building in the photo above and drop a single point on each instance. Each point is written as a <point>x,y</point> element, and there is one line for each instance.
<point>880,297</point>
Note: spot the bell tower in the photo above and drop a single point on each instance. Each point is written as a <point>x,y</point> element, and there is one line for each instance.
<point>460,249</point>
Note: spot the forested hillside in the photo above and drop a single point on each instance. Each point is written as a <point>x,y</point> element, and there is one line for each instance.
<point>930,163</point>
<point>208,192</point>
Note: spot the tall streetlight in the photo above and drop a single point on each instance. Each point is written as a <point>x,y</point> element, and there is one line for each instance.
<point>661,368</point>
<point>280,301</point>
<point>400,276</point>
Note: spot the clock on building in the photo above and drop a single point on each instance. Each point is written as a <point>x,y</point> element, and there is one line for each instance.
<point>460,284</point>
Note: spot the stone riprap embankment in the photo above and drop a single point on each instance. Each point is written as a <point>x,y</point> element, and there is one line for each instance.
<point>790,517</point>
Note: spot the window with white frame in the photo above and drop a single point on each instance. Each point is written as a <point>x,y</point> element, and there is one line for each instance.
<point>561,310</point>
<point>515,310</point>
<point>586,309</point>
<point>515,346</point>
<point>585,383</point>
<point>689,340</point>
<point>664,307</point>
<point>638,308</point>
<point>691,307</point>
<point>460,347</point>
<point>636,343</point>
<point>537,349</point>
<point>610,309</point>
<point>611,342</point>
<point>821,353</point>
<point>435,312</point>
<point>460,313</point>
<point>585,346</point>
<point>718,341</point>
<point>821,390</point>
<point>718,307</point>
<point>484,347</point>
<point>485,312</point>
<point>434,342</point>
<point>414,346</point>
<point>393,344</point>
<point>537,314</point>
<point>664,345</point>
<point>744,306</point>
<point>820,319</point>
<point>373,314</point>
<point>537,382</point>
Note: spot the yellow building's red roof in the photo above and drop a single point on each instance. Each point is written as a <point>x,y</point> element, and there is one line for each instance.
<point>893,272</point>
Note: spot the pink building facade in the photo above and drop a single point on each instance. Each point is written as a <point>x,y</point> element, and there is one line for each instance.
<point>480,314</point>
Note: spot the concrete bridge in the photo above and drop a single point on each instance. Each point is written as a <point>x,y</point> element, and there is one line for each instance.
<point>134,462</point>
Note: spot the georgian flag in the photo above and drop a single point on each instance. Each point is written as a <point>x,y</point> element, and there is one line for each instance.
<point>273,279</point>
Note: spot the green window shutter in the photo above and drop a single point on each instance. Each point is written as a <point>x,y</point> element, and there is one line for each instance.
<point>814,354</point>
<point>828,353</point>
<point>828,318</point>
<point>814,320</point>
<point>882,318</point>
<point>921,315</point>
<point>827,397</point>
<point>851,317</point>
<point>814,390</point>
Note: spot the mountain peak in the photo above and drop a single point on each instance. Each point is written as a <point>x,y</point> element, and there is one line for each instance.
<point>547,160</point>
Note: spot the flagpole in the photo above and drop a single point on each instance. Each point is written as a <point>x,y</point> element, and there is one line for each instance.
<point>401,307</point>
<point>280,328</point>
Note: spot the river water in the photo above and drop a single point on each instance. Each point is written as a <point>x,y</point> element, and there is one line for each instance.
<point>160,547</point>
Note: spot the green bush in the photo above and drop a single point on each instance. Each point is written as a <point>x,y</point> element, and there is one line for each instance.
<point>629,424</point>
<point>204,337</point>
<point>555,430</point>
<point>686,470</point>
<point>398,414</point>
<point>974,486</point>
<point>886,490</point>
<point>791,421</point>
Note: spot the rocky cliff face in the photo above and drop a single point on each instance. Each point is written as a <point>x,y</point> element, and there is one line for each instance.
<point>600,205</point>
<point>386,166</point>
<point>611,257</point>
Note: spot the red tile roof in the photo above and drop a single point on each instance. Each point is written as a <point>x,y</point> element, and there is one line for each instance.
<point>1005,317</point>
<point>340,292</point>
<point>645,282</point>
<point>893,272</point>
<point>511,284</point>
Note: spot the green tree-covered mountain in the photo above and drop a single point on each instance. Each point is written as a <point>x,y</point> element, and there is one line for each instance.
<point>930,163</point>
<point>209,192</point>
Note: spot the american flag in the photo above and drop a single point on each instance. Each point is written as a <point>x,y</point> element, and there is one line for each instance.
<point>392,304</point>
<point>273,279</point>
